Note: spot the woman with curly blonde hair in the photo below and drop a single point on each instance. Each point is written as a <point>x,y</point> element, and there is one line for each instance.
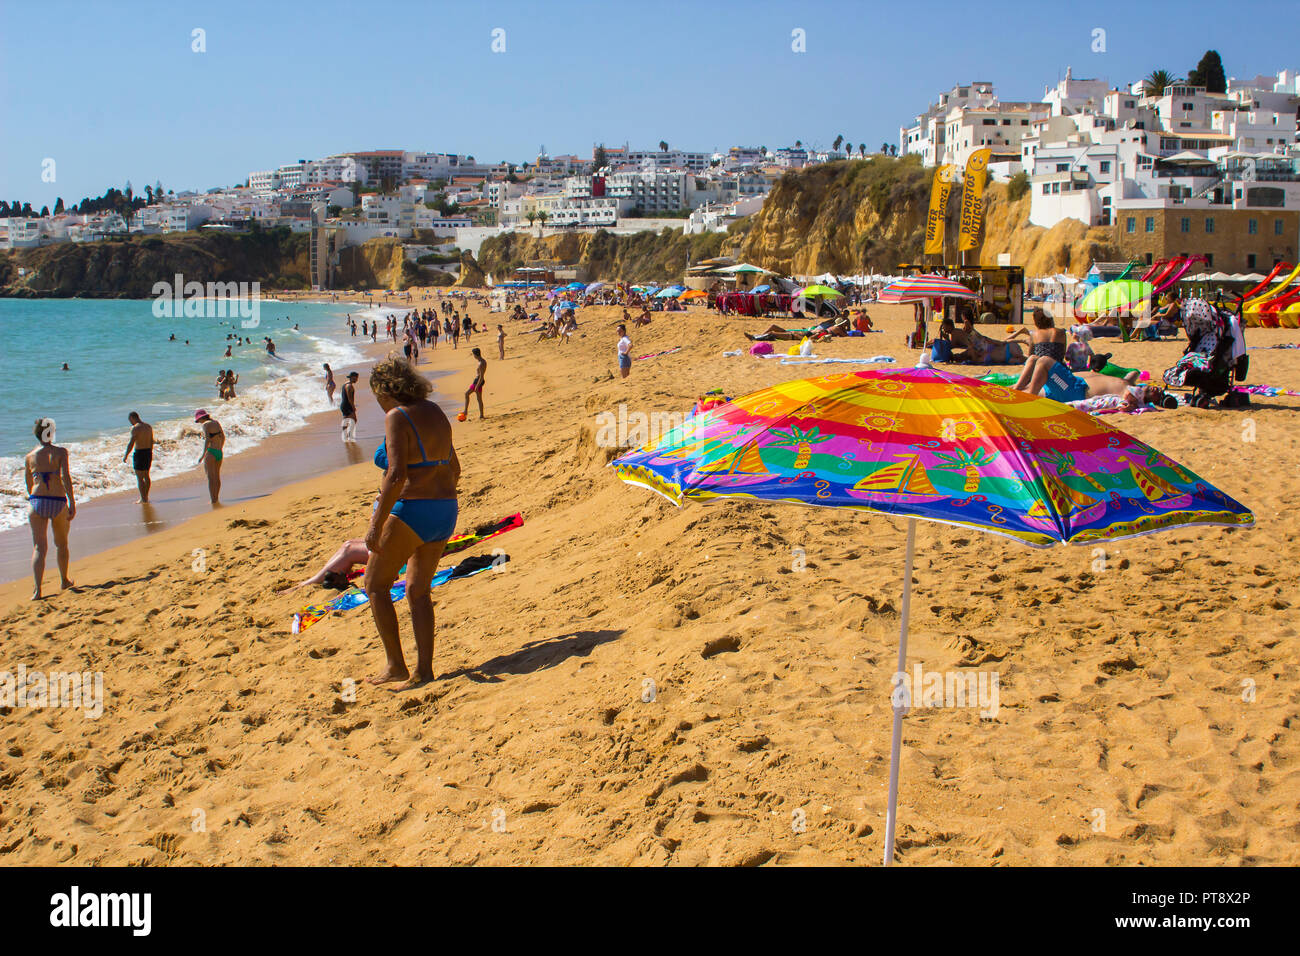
<point>414,515</point>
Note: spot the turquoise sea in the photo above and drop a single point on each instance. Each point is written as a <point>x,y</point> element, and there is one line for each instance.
<point>121,359</point>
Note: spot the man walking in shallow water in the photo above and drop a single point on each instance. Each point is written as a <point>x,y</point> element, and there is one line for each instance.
<point>142,444</point>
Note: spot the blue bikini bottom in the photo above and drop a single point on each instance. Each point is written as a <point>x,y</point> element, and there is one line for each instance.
<point>433,519</point>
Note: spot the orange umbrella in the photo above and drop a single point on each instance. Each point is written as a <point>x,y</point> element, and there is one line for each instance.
<point>693,294</point>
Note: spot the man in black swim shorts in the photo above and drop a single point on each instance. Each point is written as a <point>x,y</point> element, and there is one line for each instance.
<point>142,459</point>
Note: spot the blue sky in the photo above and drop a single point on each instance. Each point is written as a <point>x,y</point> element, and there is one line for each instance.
<point>113,91</point>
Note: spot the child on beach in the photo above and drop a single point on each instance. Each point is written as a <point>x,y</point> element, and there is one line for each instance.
<point>624,353</point>
<point>476,387</point>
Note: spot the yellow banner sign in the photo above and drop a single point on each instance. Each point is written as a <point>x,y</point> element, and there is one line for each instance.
<point>972,199</point>
<point>934,219</point>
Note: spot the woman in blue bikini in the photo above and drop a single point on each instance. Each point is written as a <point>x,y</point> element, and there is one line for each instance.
<point>49,492</point>
<point>414,515</point>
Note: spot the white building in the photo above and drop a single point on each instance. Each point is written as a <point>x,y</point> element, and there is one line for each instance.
<point>651,192</point>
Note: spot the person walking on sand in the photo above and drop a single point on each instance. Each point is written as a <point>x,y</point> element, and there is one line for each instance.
<point>329,383</point>
<point>214,443</point>
<point>414,515</point>
<point>501,342</point>
<point>348,406</point>
<point>52,504</point>
<point>141,449</point>
<point>624,353</point>
<point>476,387</point>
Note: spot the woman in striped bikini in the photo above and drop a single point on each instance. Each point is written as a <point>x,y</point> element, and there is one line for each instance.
<point>49,492</point>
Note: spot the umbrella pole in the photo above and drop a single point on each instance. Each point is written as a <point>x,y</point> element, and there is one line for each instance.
<point>898,698</point>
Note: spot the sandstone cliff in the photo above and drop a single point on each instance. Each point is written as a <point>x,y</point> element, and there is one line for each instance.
<point>846,217</point>
<point>129,268</point>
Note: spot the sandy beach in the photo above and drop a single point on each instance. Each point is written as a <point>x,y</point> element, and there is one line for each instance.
<point>644,685</point>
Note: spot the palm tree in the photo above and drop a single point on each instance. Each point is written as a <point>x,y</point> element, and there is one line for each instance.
<point>542,216</point>
<point>531,217</point>
<point>798,144</point>
<point>893,149</point>
<point>836,145</point>
<point>663,146</point>
<point>1158,82</point>
<point>862,150</point>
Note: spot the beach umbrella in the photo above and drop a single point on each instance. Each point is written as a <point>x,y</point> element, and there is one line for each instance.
<point>818,292</point>
<point>594,286</point>
<point>745,267</point>
<point>694,294</point>
<point>923,287</point>
<point>1117,294</point>
<point>928,444</point>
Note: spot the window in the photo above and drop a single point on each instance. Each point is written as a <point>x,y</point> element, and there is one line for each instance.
<point>1250,262</point>
<point>990,122</point>
<point>1062,167</point>
<point>1131,224</point>
<point>1151,223</point>
<point>1006,122</point>
<point>1209,224</point>
<point>1148,258</point>
<point>1209,260</point>
<point>1252,226</point>
<point>1185,224</point>
<point>1277,227</point>
<point>1047,188</point>
<point>1105,166</point>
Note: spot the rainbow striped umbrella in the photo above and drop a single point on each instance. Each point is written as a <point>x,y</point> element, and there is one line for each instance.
<point>927,444</point>
<point>920,288</point>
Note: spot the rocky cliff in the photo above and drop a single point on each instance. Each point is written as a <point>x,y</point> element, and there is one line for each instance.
<point>642,255</point>
<point>846,217</point>
<point>869,216</point>
<point>129,268</point>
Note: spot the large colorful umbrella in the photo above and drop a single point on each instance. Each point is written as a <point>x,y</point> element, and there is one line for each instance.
<point>920,288</point>
<point>818,292</point>
<point>694,294</point>
<point>1123,294</point>
<point>926,443</point>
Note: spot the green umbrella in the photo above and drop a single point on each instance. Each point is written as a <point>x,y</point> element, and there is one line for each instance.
<point>816,291</point>
<point>1120,294</point>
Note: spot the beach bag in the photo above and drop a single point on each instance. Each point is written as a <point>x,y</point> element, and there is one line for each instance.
<point>941,351</point>
<point>805,347</point>
<point>761,348</point>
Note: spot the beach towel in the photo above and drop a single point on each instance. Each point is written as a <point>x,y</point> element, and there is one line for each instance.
<point>1109,404</point>
<point>357,597</point>
<point>640,358</point>
<point>1268,391</point>
<point>814,360</point>
<point>761,348</point>
<point>347,600</point>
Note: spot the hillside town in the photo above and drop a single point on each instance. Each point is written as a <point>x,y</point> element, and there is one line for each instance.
<point>1204,162</point>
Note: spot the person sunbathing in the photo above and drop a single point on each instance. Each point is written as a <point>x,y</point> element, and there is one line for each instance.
<point>334,574</point>
<point>775,333</point>
<point>984,350</point>
<point>1051,378</point>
